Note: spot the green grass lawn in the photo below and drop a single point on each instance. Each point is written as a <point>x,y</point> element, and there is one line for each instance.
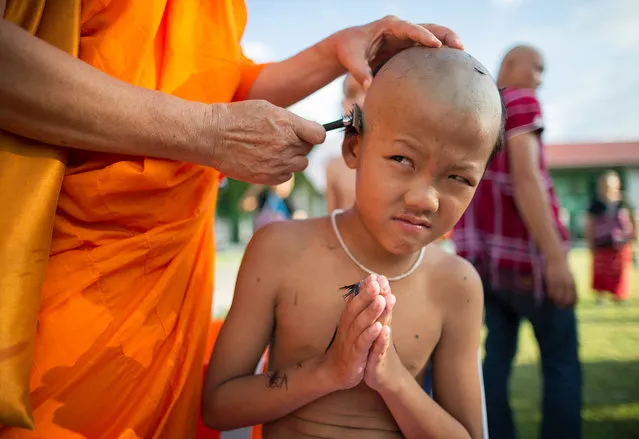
<point>609,338</point>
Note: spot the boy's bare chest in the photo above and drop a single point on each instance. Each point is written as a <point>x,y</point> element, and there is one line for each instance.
<point>309,309</point>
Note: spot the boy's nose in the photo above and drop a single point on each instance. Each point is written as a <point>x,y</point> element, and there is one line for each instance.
<point>423,199</point>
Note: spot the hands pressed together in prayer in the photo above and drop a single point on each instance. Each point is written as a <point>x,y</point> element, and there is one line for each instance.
<point>362,349</point>
<point>258,142</point>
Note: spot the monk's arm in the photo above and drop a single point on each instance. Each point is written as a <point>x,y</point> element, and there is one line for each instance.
<point>287,82</point>
<point>291,80</point>
<point>50,96</point>
<point>233,396</point>
<point>455,411</point>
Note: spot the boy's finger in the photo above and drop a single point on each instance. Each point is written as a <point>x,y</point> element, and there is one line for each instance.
<point>384,285</point>
<point>368,290</point>
<point>368,316</point>
<point>387,315</point>
<point>367,338</point>
<point>381,343</point>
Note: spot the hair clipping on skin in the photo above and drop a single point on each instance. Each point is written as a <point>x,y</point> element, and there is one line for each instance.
<point>354,120</point>
<point>351,290</point>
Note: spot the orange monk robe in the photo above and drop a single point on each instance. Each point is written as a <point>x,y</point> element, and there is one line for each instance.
<point>126,304</point>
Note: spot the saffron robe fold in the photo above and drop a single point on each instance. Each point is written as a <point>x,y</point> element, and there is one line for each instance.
<point>31,174</point>
<point>126,303</point>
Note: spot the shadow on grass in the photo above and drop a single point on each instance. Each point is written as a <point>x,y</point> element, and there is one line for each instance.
<point>610,393</point>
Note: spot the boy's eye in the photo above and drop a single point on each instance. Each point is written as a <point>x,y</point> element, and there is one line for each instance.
<point>463,180</point>
<point>401,159</point>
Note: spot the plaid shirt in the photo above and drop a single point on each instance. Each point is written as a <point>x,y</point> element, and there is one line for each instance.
<point>491,233</point>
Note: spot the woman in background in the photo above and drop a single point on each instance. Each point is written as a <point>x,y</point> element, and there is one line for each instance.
<point>610,232</point>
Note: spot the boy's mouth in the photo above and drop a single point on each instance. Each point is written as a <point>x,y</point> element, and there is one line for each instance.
<point>413,221</point>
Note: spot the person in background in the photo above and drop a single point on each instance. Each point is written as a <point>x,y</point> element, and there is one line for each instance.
<point>610,232</point>
<point>512,233</point>
<point>272,203</point>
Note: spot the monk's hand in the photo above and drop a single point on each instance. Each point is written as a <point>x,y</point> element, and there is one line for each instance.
<point>358,327</point>
<point>383,365</point>
<point>361,48</point>
<point>258,142</point>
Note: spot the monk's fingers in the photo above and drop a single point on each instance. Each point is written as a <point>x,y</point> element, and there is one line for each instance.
<point>447,36</point>
<point>297,163</point>
<point>355,54</point>
<point>407,31</point>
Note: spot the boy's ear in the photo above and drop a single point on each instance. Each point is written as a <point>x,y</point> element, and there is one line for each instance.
<point>351,150</point>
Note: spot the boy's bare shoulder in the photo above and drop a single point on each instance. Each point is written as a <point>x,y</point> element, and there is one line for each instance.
<point>284,238</point>
<point>456,279</point>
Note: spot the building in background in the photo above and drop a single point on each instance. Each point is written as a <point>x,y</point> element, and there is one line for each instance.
<point>575,168</point>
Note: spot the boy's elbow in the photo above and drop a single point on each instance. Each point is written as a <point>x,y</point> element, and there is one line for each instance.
<point>211,415</point>
<point>213,421</point>
<point>207,412</point>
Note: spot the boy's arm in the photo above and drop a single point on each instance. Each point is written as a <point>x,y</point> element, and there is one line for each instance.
<point>456,380</point>
<point>233,396</point>
<point>455,411</point>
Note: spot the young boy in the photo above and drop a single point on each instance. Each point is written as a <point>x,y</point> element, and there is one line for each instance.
<point>431,121</point>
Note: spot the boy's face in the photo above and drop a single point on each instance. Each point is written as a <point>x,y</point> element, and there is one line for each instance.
<point>418,166</point>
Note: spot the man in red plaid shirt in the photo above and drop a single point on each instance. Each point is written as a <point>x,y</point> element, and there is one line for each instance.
<point>511,232</point>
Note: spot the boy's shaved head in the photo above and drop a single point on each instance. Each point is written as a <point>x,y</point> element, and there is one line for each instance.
<point>433,119</point>
<point>449,81</point>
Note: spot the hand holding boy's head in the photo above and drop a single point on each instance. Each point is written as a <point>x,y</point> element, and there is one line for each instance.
<point>432,120</point>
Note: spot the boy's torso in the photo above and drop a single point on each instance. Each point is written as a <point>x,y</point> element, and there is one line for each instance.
<point>306,313</point>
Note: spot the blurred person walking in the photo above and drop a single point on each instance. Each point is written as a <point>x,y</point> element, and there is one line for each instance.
<point>610,232</point>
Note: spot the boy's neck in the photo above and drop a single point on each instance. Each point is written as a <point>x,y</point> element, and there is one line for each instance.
<point>367,250</point>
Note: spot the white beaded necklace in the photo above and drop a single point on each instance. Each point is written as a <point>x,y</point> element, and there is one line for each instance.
<point>356,262</point>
